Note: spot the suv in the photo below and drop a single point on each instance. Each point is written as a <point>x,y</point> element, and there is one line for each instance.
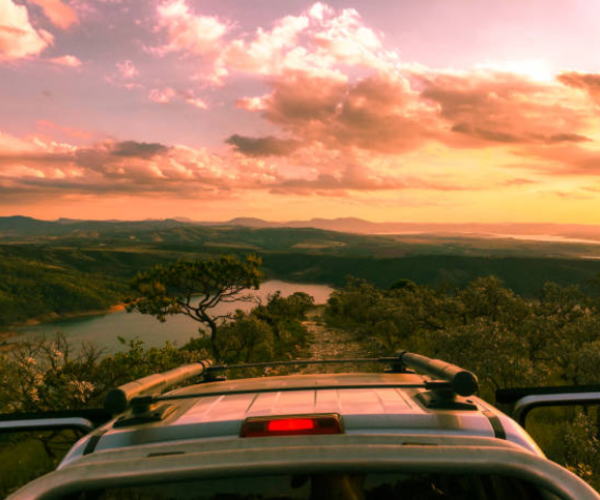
<point>415,431</point>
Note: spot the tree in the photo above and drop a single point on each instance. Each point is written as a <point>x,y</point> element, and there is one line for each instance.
<point>195,288</point>
<point>280,310</point>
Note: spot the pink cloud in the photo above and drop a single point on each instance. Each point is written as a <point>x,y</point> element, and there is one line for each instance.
<point>67,61</point>
<point>188,32</point>
<point>39,167</point>
<point>319,41</point>
<point>161,96</point>
<point>51,128</point>
<point>190,98</point>
<point>60,14</point>
<point>18,38</point>
<point>127,69</point>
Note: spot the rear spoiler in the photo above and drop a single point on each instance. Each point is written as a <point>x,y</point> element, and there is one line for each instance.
<point>523,400</point>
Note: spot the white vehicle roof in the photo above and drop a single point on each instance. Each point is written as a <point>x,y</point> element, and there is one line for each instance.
<point>367,404</point>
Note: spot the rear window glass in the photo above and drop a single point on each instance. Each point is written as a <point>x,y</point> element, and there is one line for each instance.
<point>330,486</point>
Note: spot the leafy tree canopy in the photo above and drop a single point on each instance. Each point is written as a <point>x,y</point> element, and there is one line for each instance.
<point>195,288</point>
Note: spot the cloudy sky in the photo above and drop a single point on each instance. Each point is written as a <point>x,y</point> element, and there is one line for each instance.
<point>398,110</point>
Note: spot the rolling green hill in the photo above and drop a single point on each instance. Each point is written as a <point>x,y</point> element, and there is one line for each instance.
<point>50,269</point>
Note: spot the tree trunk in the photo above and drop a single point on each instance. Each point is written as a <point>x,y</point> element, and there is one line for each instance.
<point>213,337</point>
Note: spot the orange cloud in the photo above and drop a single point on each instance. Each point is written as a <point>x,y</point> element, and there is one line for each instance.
<point>565,160</point>
<point>483,108</point>
<point>589,82</point>
<point>18,38</point>
<point>60,14</point>
<point>379,113</point>
<point>67,61</point>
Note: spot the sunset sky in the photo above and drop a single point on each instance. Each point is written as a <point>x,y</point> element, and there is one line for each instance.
<point>398,110</point>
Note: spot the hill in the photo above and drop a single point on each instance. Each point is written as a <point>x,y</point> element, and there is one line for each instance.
<point>51,269</point>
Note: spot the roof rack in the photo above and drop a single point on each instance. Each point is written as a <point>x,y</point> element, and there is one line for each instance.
<point>446,382</point>
<point>145,400</point>
<point>523,400</point>
<point>119,399</point>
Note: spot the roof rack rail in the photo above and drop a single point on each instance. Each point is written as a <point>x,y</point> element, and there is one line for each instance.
<point>211,372</point>
<point>462,382</point>
<point>119,399</point>
<point>447,381</point>
<point>523,400</point>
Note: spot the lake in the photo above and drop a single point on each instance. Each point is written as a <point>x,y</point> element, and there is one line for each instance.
<point>103,329</point>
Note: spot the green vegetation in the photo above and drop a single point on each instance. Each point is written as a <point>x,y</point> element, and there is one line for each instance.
<point>195,288</point>
<point>39,288</point>
<point>507,340</point>
<point>267,332</point>
<point>46,281</point>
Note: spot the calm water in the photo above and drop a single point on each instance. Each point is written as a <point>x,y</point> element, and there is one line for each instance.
<point>103,329</point>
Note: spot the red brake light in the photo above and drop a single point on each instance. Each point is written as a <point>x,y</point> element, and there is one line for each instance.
<point>290,424</point>
<point>300,425</point>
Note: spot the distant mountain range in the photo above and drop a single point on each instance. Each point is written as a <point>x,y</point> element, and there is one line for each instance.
<point>20,226</point>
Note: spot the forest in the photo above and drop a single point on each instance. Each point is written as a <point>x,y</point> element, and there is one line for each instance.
<point>48,281</point>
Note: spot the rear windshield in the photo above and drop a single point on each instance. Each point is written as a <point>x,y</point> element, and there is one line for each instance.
<point>330,486</point>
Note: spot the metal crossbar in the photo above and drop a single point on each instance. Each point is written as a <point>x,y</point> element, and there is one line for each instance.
<point>169,397</point>
<point>298,362</point>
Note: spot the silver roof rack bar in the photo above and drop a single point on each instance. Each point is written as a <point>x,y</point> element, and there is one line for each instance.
<point>119,399</point>
<point>524,405</point>
<point>463,382</point>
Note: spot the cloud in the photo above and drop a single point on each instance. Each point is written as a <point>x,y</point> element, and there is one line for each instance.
<point>314,64</point>
<point>378,113</point>
<point>167,94</point>
<point>355,177</point>
<point>188,32</point>
<point>161,96</point>
<point>318,41</point>
<point>519,181</point>
<point>67,61</point>
<point>565,160</point>
<point>190,98</point>
<point>127,69</point>
<point>18,38</point>
<point>138,149</point>
<point>39,167</point>
<point>109,166</point>
<point>485,107</point>
<point>589,82</point>
<point>263,146</point>
<point>60,14</point>
<point>51,128</point>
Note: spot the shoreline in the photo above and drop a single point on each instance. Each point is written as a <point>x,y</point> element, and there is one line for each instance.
<point>11,331</point>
